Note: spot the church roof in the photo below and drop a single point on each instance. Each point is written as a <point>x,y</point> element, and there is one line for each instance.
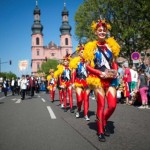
<point>52,44</point>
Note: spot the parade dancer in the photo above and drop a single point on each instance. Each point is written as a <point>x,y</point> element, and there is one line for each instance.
<point>58,72</point>
<point>79,75</point>
<point>51,84</point>
<point>101,57</point>
<point>66,84</point>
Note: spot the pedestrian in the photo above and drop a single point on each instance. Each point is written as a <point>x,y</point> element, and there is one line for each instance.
<point>127,75</point>
<point>13,85</point>
<point>100,56</point>
<point>119,94</point>
<point>79,74</point>
<point>23,86</point>
<point>134,78</point>
<point>5,86</point>
<point>143,89</point>
<point>18,85</point>
<point>126,91</point>
<point>32,82</point>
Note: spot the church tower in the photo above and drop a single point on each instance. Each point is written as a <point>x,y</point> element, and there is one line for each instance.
<point>65,37</point>
<point>37,41</point>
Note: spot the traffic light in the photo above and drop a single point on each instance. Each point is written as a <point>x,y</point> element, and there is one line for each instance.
<point>10,62</point>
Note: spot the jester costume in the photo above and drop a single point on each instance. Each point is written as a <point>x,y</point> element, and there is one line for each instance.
<point>58,72</point>
<point>51,84</point>
<point>101,56</point>
<point>79,74</point>
<point>65,84</point>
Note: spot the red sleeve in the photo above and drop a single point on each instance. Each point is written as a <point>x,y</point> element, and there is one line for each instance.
<point>114,65</point>
<point>92,70</point>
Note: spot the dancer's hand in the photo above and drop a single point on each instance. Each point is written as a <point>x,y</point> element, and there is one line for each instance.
<point>62,86</point>
<point>73,86</point>
<point>103,75</point>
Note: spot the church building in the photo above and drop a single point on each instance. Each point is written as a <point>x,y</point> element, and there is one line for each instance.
<point>40,52</point>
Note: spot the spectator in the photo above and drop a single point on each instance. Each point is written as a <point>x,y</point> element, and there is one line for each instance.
<point>119,95</point>
<point>5,86</point>
<point>134,78</point>
<point>23,86</point>
<point>18,85</point>
<point>143,89</point>
<point>127,75</point>
<point>13,85</point>
<point>32,81</point>
<point>141,65</point>
<point>126,91</point>
<point>147,70</point>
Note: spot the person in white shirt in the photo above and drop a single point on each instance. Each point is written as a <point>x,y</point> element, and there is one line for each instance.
<point>13,84</point>
<point>23,86</point>
<point>134,78</point>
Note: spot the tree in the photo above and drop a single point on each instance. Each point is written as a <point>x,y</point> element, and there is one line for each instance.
<point>49,64</point>
<point>130,21</point>
<point>8,75</point>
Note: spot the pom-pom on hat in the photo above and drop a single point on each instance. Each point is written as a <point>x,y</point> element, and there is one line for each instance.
<point>80,47</point>
<point>51,70</point>
<point>67,57</point>
<point>100,23</point>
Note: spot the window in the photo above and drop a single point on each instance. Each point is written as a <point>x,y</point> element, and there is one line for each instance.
<point>38,53</point>
<point>37,41</point>
<point>66,41</point>
<point>38,66</point>
<point>52,54</point>
<point>67,51</point>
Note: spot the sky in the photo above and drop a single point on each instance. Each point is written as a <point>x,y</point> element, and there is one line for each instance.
<point>16,20</point>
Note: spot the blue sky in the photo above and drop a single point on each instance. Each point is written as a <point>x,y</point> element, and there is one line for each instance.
<point>16,19</point>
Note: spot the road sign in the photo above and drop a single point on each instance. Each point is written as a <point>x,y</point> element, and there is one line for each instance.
<point>135,56</point>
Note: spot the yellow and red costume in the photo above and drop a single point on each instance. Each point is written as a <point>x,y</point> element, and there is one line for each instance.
<point>58,72</point>
<point>66,83</point>
<point>101,55</point>
<point>51,84</point>
<point>79,74</point>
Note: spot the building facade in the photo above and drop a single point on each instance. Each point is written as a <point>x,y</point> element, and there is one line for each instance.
<point>41,53</point>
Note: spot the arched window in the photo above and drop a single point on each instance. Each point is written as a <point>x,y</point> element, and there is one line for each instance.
<point>38,66</point>
<point>66,41</point>
<point>37,41</point>
<point>38,52</point>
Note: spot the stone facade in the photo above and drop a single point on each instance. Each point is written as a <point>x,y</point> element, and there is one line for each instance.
<point>40,52</point>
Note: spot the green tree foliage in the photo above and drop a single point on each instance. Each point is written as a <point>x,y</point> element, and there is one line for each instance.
<point>8,75</point>
<point>130,21</point>
<point>46,66</point>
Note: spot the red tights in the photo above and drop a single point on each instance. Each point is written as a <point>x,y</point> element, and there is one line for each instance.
<point>103,116</point>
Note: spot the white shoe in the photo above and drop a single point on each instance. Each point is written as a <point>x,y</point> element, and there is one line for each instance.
<point>77,114</point>
<point>141,107</point>
<point>93,98</point>
<point>86,118</point>
<point>62,105</point>
<point>147,107</point>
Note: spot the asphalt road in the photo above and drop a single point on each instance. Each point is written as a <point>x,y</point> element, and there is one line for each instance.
<point>38,124</point>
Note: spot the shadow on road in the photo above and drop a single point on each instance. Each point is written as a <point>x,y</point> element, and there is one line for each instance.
<point>110,124</point>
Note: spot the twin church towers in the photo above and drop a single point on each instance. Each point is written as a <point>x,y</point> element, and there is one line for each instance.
<point>51,51</point>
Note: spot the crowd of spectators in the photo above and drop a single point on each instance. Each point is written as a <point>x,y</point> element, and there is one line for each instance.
<point>134,85</point>
<point>26,84</point>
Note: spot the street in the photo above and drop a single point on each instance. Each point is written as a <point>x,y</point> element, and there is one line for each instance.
<point>38,124</point>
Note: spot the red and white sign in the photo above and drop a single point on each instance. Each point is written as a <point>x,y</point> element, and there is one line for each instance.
<point>135,56</point>
<point>23,65</point>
